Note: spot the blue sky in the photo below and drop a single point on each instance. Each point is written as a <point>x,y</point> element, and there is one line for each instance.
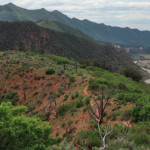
<point>123,13</point>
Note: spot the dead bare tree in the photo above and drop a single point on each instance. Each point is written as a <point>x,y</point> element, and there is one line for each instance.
<point>104,131</point>
<point>76,67</point>
<point>24,93</point>
<point>53,104</point>
<point>98,113</point>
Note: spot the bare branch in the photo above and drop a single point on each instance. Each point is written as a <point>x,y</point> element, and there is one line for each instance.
<point>106,103</point>
<point>104,132</point>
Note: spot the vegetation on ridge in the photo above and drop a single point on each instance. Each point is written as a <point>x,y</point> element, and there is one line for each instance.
<point>57,26</point>
<point>27,36</point>
<point>63,100</point>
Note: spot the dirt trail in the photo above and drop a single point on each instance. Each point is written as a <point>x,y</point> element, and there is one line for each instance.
<point>85,92</point>
<point>127,123</point>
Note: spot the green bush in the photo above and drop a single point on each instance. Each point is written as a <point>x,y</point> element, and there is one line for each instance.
<point>63,109</point>
<point>50,71</point>
<point>141,112</point>
<point>94,84</point>
<point>44,116</point>
<point>72,97</point>
<point>89,139</point>
<point>71,79</point>
<point>20,132</point>
<point>79,102</point>
<point>128,97</point>
<point>77,94</point>
<point>37,78</point>
<point>132,73</point>
<point>10,97</point>
<point>126,115</point>
<point>39,101</point>
<point>49,84</point>
<point>87,101</point>
<point>30,107</point>
<point>140,134</point>
<point>60,91</point>
<point>122,87</point>
<point>69,122</point>
<point>66,97</point>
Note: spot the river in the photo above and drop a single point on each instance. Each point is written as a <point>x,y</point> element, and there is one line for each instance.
<point>148,70</point>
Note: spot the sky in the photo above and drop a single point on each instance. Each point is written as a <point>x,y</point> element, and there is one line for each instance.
<point>122,13</point>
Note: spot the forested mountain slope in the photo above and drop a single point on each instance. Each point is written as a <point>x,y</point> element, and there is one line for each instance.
<point>28,36</point>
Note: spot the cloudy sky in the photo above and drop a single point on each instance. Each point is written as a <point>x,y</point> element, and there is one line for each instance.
<point>123,13</point>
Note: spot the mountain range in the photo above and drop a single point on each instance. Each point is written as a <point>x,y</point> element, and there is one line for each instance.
<point>99,32</point>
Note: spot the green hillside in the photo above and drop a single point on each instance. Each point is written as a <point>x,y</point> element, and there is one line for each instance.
<point>57,26</point>
<point>11,12</point>
<point>35,87</point>
<point>99,32</point>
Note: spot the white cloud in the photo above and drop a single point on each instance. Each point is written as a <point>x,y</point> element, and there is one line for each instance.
<point>132,13</point>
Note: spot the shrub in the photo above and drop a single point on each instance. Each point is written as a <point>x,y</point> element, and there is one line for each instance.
<point>17,130</point>
<point>79,102</point>
<point>31,107</point>
<point>72,97</point>
<point>94,84</point>
<point>39,101</point>
<point>76,94</point>
<point>131,73</point>
<point>141,112</point>
<point>116,108</point>
<point>15,87</point>
<point>60,91</point>
<point>36,93</point>
<point>63,109</point>
<point>49,84</point>
<point>126,115</point>
<point>122,87</point>
<point>113,116</point>
<point>127,97</point>
<point>69,122</point>
<point>50,71</point>
<point>140,134</point>
<point>60,72</point>
<point>10,97</point>
<point>89,138</point>
<point>73,111</point>
<point>87,101</point>
<point>44,116</point>
<point>71,79</point>
<point>37,78</point>
<point>66,97</point>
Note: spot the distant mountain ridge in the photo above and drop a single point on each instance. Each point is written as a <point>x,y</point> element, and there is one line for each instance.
<point>99,32</point>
